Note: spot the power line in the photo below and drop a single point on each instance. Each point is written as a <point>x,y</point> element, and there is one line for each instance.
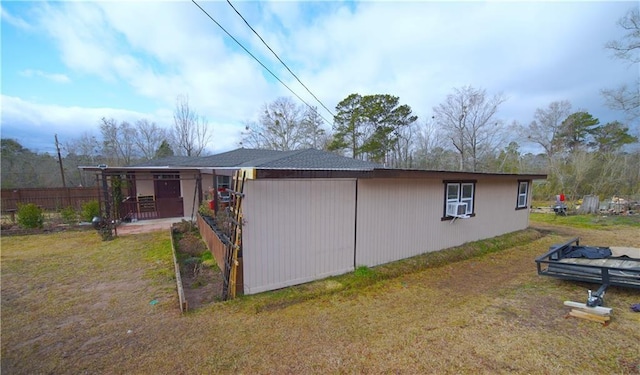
<point>255,58</point>
<point>278,57</point>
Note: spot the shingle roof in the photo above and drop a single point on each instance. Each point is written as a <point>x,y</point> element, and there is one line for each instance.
<point>266,159</point>
<point>311,159</point>
<point>237,157</point>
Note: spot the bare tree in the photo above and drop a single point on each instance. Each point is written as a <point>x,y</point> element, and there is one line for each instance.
<point>626,48</point>
<point>284,126</point>
<point>467,117</point>
<point>313,125</point>
<point>403,150</point>
<point>148,137</point>
<point>190,131</point>
<point>547,125</point>
<point>86,145</point>
<point>118,141</point>
<point>84,150</point>
<point>626,97</point>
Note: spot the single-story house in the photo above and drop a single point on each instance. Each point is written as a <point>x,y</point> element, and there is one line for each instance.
<point>310,214</point>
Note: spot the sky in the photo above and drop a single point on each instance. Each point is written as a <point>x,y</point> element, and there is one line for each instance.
<point>66,65</point>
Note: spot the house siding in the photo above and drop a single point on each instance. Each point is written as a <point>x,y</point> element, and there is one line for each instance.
<point>144,184</point>
<point>189,193</point>
<point>296,231</point>
<point>398,218</point>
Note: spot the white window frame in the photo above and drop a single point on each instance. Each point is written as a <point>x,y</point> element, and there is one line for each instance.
<point>460,196</point>
<point>523,197</point>
<point>467,199</point>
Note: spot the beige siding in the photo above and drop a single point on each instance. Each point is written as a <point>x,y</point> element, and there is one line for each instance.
<point>296,231</point>
<point>144,184</point>
<point>188,191</point>
<point>401,218</point>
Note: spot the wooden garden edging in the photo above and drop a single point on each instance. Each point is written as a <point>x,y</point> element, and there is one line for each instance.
<point>183,301</point>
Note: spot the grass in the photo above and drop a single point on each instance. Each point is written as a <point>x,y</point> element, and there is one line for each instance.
<point>587,221</point>
<point>74,304</point>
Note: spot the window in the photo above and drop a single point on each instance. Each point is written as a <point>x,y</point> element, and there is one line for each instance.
<point>523,193</point>
<point>462,192</point>
<point>223,182</point>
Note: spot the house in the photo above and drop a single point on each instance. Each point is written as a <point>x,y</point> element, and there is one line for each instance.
<point>311,214</point>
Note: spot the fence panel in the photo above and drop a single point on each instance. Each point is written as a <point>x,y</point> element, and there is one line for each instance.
<point>50,199</point>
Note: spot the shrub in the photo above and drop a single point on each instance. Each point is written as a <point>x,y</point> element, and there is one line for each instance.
<point>192,245</point>
<point>69,215</point>
<point>90,210</point>
<point>30,216</point>
<point>204,210</point>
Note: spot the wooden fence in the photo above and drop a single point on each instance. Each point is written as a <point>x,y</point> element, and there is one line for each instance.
<point>50,199</point>
<point>218,250</point>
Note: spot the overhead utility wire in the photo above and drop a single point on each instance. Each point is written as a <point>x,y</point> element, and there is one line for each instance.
<point>255,58</point>
<point>278,57</point>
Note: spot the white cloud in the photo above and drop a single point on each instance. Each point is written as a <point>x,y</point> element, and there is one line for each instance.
<point>160,51</point>
<point>55,77</point>
<point>45,120</point>
<point>533,52</point>
<point>13,20</point>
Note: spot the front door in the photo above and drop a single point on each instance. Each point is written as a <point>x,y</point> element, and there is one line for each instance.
<point>168,196</point>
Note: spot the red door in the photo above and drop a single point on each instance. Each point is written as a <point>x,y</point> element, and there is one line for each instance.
<point>168,196</point>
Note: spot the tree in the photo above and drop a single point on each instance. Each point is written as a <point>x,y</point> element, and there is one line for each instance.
<point>280,126</point>
<point>370,125</point>
<point>23,168</point>
<point>402,155</point>
<point>163,151</point>
<point>576,129</point>
<point>313,125</point>
<point>626,97</point>
<point>190,131</point>
<point>625,49</point>
<point>84,150</point>
<point>118,141</point>
<point>545,127</point>
<point>611,137</point>
<point>348,126</point>
<point>284,125</point>
<point>148,138</point>
<point>385,119</point>
<point>508,160</point>
<point>430,150</point>
<point>468,119</point>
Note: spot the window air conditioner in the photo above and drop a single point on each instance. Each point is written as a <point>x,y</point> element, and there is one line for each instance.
<point>457,209</point>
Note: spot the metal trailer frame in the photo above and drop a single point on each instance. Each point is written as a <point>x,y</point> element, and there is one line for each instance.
<point>550,264</point>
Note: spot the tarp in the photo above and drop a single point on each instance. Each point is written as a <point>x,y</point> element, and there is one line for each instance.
<point>588,252</point>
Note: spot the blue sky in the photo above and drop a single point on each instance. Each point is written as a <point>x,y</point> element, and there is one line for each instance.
<point>65,65</point>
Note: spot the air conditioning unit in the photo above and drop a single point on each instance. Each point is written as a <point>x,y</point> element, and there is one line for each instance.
<point>457,209</point>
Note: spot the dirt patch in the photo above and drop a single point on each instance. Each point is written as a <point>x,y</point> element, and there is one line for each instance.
<point>202,284</point>
<point>202,280</point>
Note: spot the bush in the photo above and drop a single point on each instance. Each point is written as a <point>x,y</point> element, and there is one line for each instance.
<point>204,210</point>
<point>192,244</point>
<point>69,215</point>
<point>30,216</point>
<point>90,210</point>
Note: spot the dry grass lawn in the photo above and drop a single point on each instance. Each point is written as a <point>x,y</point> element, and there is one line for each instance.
<point>72,304</point>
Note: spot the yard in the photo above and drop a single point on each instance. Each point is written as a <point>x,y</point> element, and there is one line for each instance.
<point>73,304</point>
